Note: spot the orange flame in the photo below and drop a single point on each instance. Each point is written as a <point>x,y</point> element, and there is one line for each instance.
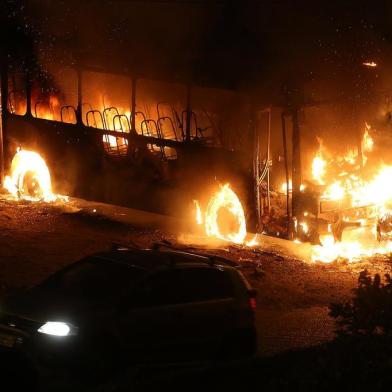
<point>375,194</point>
<point>224,217</point>
<point>319,165</point>
<point>370,64</point>
<point>199,217</point>
<point>29,178</point>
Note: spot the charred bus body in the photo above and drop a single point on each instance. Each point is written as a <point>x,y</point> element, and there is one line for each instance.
<point>131,141</point>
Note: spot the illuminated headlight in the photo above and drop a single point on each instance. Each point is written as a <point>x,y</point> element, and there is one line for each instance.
<point>57,328</point>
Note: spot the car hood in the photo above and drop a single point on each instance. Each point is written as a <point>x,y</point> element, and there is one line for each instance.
<point>43,304</point>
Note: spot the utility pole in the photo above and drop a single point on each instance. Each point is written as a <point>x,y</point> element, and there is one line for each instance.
<point>4,99</point>
<point>256,167</point>
<point>188,113</point>
<point>294,100</point>
<point>287,174</point>
<point>79,109</point>
<point>133,106</point>
<point>296,164</point>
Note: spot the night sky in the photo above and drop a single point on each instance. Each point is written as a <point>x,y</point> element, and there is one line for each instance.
<point>255,45</point>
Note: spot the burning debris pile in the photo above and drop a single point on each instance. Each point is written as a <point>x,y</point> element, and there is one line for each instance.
<point>29,178</point>
<point>352,216</point>
<point>346,207</point>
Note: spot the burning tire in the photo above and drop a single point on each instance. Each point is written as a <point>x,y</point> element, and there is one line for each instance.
<point>30,186</point>
<point>29,178</point>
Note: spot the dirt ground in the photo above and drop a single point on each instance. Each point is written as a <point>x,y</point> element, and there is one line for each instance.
<point>36,239</point>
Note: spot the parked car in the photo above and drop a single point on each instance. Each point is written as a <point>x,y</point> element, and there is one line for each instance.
<point>127,306</point>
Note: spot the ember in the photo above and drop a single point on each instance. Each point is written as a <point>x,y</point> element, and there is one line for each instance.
<point>371,64</point>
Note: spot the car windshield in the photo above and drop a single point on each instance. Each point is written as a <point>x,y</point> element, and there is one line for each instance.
<point>96,279</point>
<point>186,285</point>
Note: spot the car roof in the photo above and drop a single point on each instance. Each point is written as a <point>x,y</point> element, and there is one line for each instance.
<point>151,259</point>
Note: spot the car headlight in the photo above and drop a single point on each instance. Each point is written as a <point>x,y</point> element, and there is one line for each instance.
<point>57,328</point>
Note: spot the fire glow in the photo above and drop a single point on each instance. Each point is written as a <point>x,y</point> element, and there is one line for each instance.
<point>370,64</point>
<point>224,217</point>
<point>367,202</point>
<point>319,165</point>
<point>29,178</point>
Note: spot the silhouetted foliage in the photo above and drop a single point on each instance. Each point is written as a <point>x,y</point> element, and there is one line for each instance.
<point>370,310</point>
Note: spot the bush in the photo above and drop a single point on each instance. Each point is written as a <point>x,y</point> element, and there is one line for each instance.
<point>370,310</point>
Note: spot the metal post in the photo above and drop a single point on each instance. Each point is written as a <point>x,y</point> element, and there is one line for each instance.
<point>28,92</point>
<point>188,113</point>
<point>259,177</point>
<point>256,170</point>
<point>296,164</point>
<point>4,99</point>
<point>79,110</point>
<point>286,167</point>
<point>133,108</point>
<point>268,160</point>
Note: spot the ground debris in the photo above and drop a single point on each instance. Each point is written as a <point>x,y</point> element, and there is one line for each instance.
<point>35,244</point>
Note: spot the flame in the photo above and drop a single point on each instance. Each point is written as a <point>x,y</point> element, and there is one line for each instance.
<point>370,64</point>
<point>367,140</point>
<point>367,143</point>
<point>357,246</point>
<point>378,191</point>
<point>283,187</point>
<point>351,156</point>
<point>253,242</point>
<point>224,217</point>
<point>199,217</point>
<point>51,109</point>
<point>304,227</point>
<point>29,178</point>
<point>335,191</point>
<point>319,165</point>
<point>373,195</point>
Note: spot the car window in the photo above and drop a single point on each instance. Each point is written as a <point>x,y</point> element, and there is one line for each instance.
<point>163,288</point>
<point>97,280</point>
<point>186,285</point>
<point>206,284</point>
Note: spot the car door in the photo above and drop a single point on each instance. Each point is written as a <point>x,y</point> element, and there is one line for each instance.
<point>208,311</point>
<point>150,321</point>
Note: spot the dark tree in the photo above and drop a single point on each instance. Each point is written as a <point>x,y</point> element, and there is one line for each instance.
<point>370,310</point>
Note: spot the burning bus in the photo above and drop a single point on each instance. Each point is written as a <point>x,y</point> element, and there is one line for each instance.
<point>171,147</point>
<point>112,137</point>
<point>179,140</point>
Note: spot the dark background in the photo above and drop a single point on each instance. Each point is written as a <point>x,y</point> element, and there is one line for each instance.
<point>256,45</point>
<point>274,51</point>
